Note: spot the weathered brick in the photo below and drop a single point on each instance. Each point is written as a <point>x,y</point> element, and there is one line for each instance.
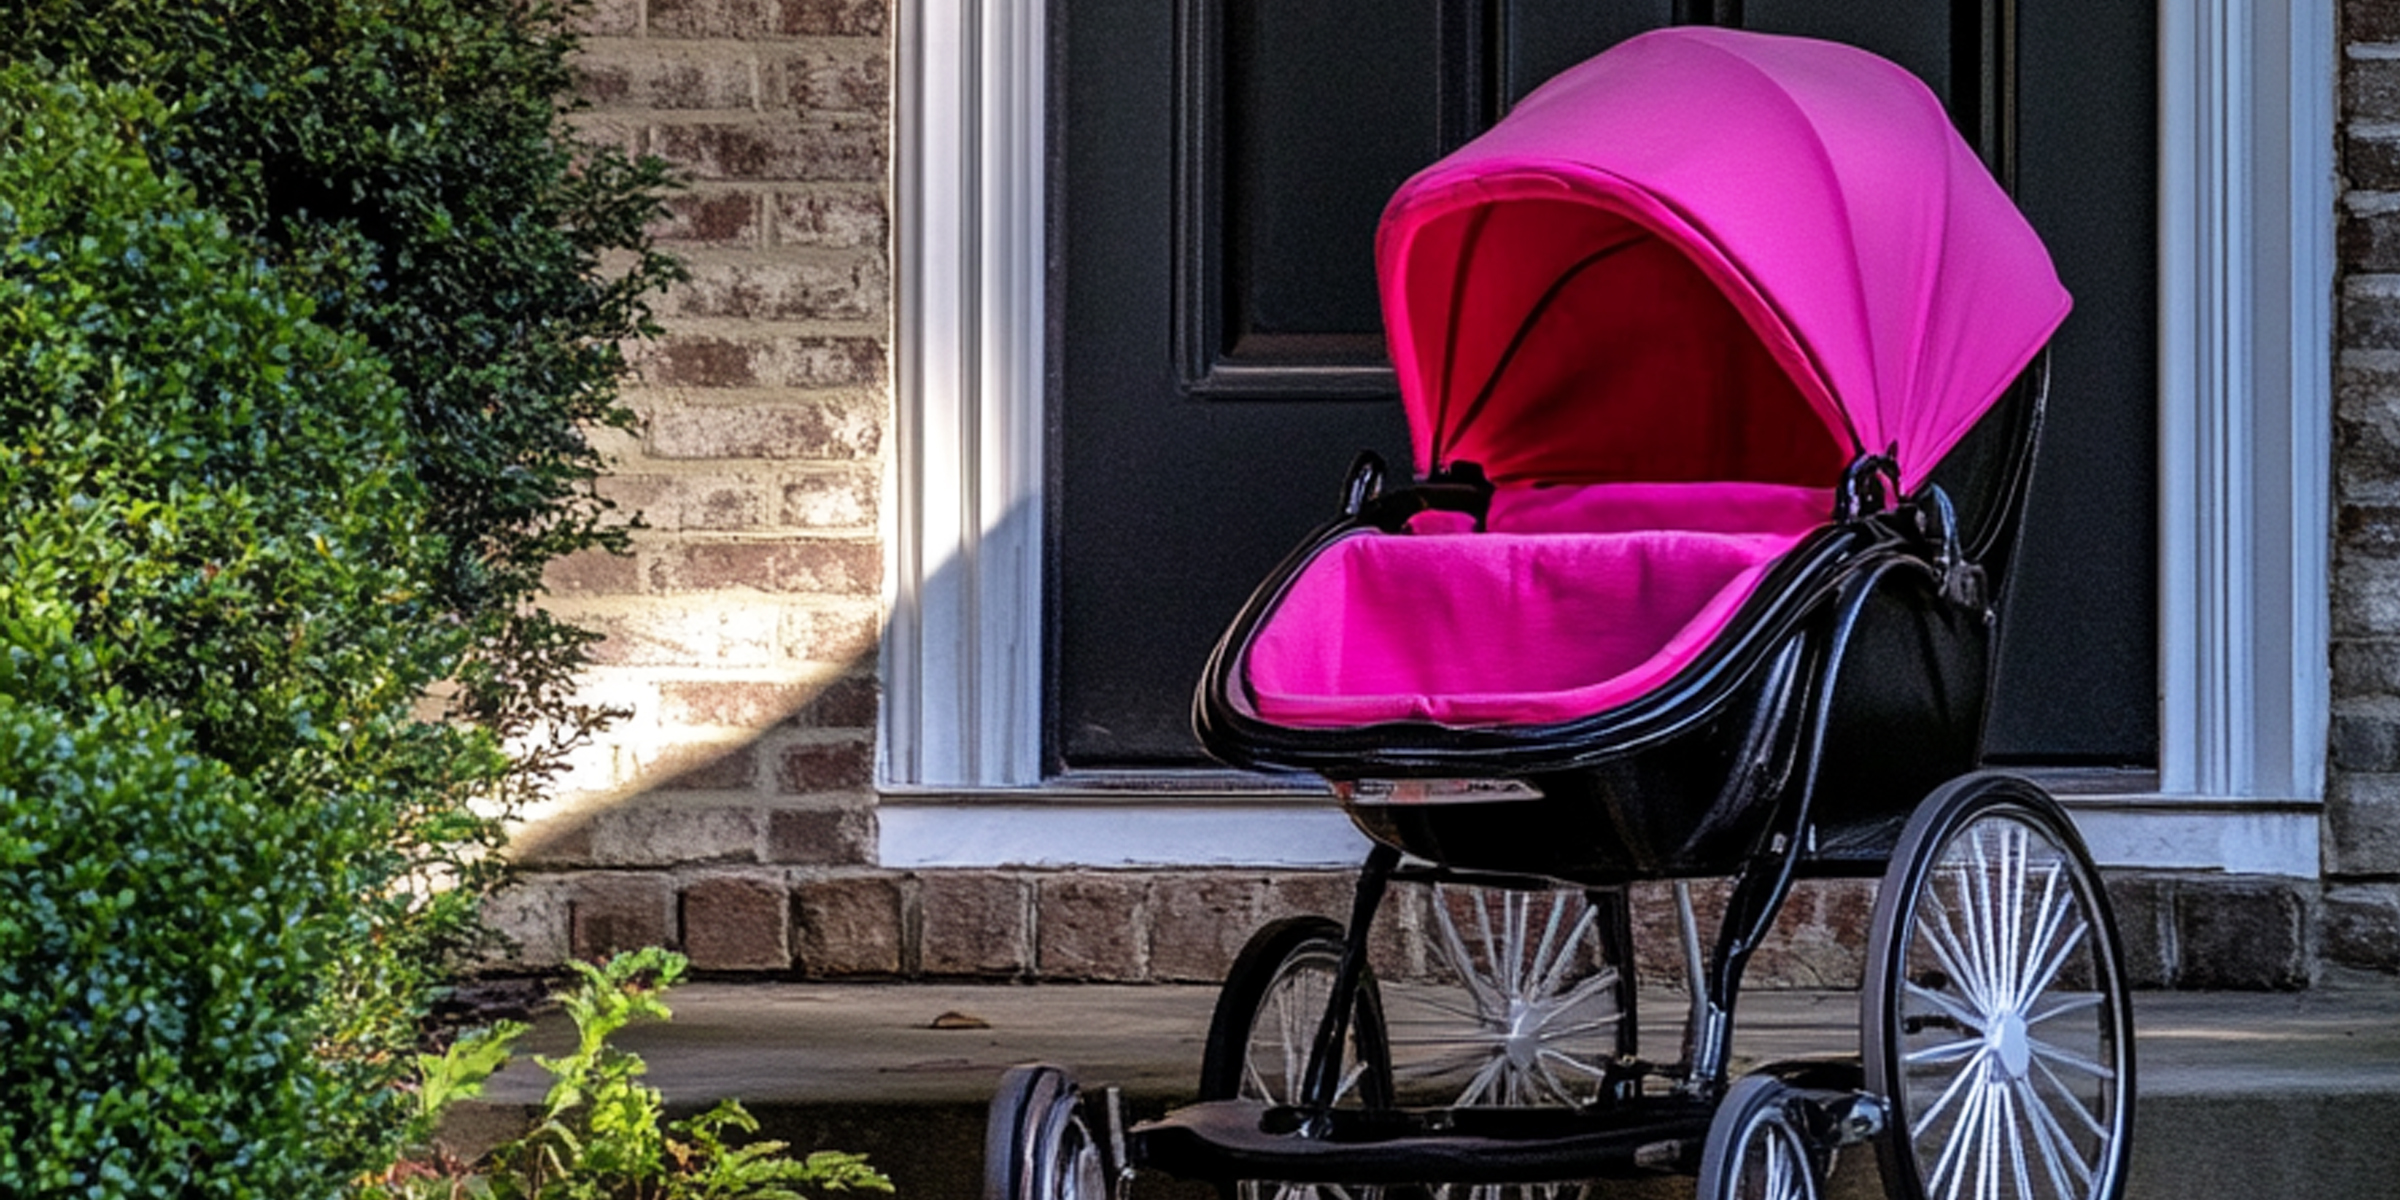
<point>648,76</point>
<point>809,429</point>
<point>821,837</point>
<point>621,910</point>
<point>666,835</point>
<point>848,288</point>
<point>592,572</point>
<point>848,926</point>
<point>2241,933</point>
<point>974,923</point>
<point>832,635</point>
<point>2370,21</point>
<point>1393,947</point>
<point>1198,923</point>
<point>722,503</point>
<point>2362,927</point>
<point>702,769</point>
<point>738,923</point>
<point>808,767</point>
<point>2370,312</point>
<point>711,218</point>
<point>829,500</point>
<point>606,131</point>
<point>532,915</point>
<point>2366,738</point>
<point>847,703</point>
<point>2365,668</point>
<point>2362,824</point>
<point>2369,234</point>
<point>609,18</point>
<point>778,150</point>
<point>1089,926</point>
<point>2370,89</point>
<point>1657,933</point>
<point>851,703</point>
<point>823,566</point>
<point>2367,426</point>
<point>562,841</point>
<point>2366,597</point>
<point>2370,531</point>
<point>831,216</point>
<point>2371,159</point>
<point>707,360</point>
<point>711,18</point>
<point>684,635</point>
<point>1820,937</point>
<point>836,77</point>
<point>2144,907</point>
<point>832,18</point>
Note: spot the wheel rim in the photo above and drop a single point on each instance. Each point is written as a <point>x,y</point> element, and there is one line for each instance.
<point>1772,1164</point>
<point>1275,1060</point>
<point>1070,1168</point>
<point>2008,1067</point>
<point>1537,1022</point>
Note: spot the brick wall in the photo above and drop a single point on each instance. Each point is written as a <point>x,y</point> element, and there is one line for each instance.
<point>741,633</point>
<point>2362,828</point>
<point>732,814</point>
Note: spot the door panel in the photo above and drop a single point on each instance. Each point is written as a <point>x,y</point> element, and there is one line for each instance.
<point>1220,167</point>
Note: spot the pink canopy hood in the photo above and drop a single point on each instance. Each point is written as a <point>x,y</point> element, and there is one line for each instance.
<point>1709,254</point>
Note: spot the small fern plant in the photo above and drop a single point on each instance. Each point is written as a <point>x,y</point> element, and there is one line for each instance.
<point>601,1135</point>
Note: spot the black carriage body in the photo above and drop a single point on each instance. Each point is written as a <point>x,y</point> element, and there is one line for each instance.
<point>1854,680</point>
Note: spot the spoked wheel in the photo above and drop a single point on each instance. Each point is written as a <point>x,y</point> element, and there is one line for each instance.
<point>1757,1148</point>
<point>1266,1021</point>
<point>1539,1019</point>
<point>1540,1012</point>
<point>1267,1016</point>
<point>1037,1144</point>
<point>1994,1015</point>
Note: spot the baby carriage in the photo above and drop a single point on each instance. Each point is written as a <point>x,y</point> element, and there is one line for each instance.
<point>1723,358</point>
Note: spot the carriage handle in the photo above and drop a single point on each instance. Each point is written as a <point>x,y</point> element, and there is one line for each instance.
<point>1862,493</point>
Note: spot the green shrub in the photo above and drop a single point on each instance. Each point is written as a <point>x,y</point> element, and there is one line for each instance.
<point>214,625</point>
<point>409,158</point>
<point>154,989</point>
<point>601,1132</point>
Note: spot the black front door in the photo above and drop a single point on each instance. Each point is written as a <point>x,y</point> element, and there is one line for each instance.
<point>1219,167</point>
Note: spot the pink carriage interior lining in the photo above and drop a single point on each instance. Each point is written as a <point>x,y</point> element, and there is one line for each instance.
<point>1577,600</point>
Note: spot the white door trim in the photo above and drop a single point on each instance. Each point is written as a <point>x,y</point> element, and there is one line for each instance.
<point>2246,289</point>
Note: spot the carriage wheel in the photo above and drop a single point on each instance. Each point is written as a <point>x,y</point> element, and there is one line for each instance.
<point>1538,1021</point>
<point>1036,1144</point>
<point>1994,1015</point>
<point>1266,1021</point>
<point>1757,1149</point>
<point>1267,1014</point>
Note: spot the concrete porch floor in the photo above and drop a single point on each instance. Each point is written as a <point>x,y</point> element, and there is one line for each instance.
<point>2281,1094</point>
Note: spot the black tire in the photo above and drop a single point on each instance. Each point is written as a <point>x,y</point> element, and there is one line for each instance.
<point>1995,1012</point>
<point>1036,1143</point>
<point>1758,1147</point>
<point>1283,973</point>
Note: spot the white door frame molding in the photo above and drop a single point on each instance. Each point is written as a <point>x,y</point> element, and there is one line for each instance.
<point>962,651</point>
<point>2246,194</point>
<point>2246,293</point>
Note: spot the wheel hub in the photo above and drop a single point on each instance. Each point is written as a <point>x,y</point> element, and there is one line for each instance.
<point>1524,1042</point>
<point>2009,1044</point>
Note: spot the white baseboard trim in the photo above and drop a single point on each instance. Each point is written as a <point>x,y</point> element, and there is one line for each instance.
<point>2246,837</point>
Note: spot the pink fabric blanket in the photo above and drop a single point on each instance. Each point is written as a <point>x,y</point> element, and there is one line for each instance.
<point>1578,599</point>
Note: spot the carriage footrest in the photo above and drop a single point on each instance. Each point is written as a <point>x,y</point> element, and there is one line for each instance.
<point>1246,1139</point>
